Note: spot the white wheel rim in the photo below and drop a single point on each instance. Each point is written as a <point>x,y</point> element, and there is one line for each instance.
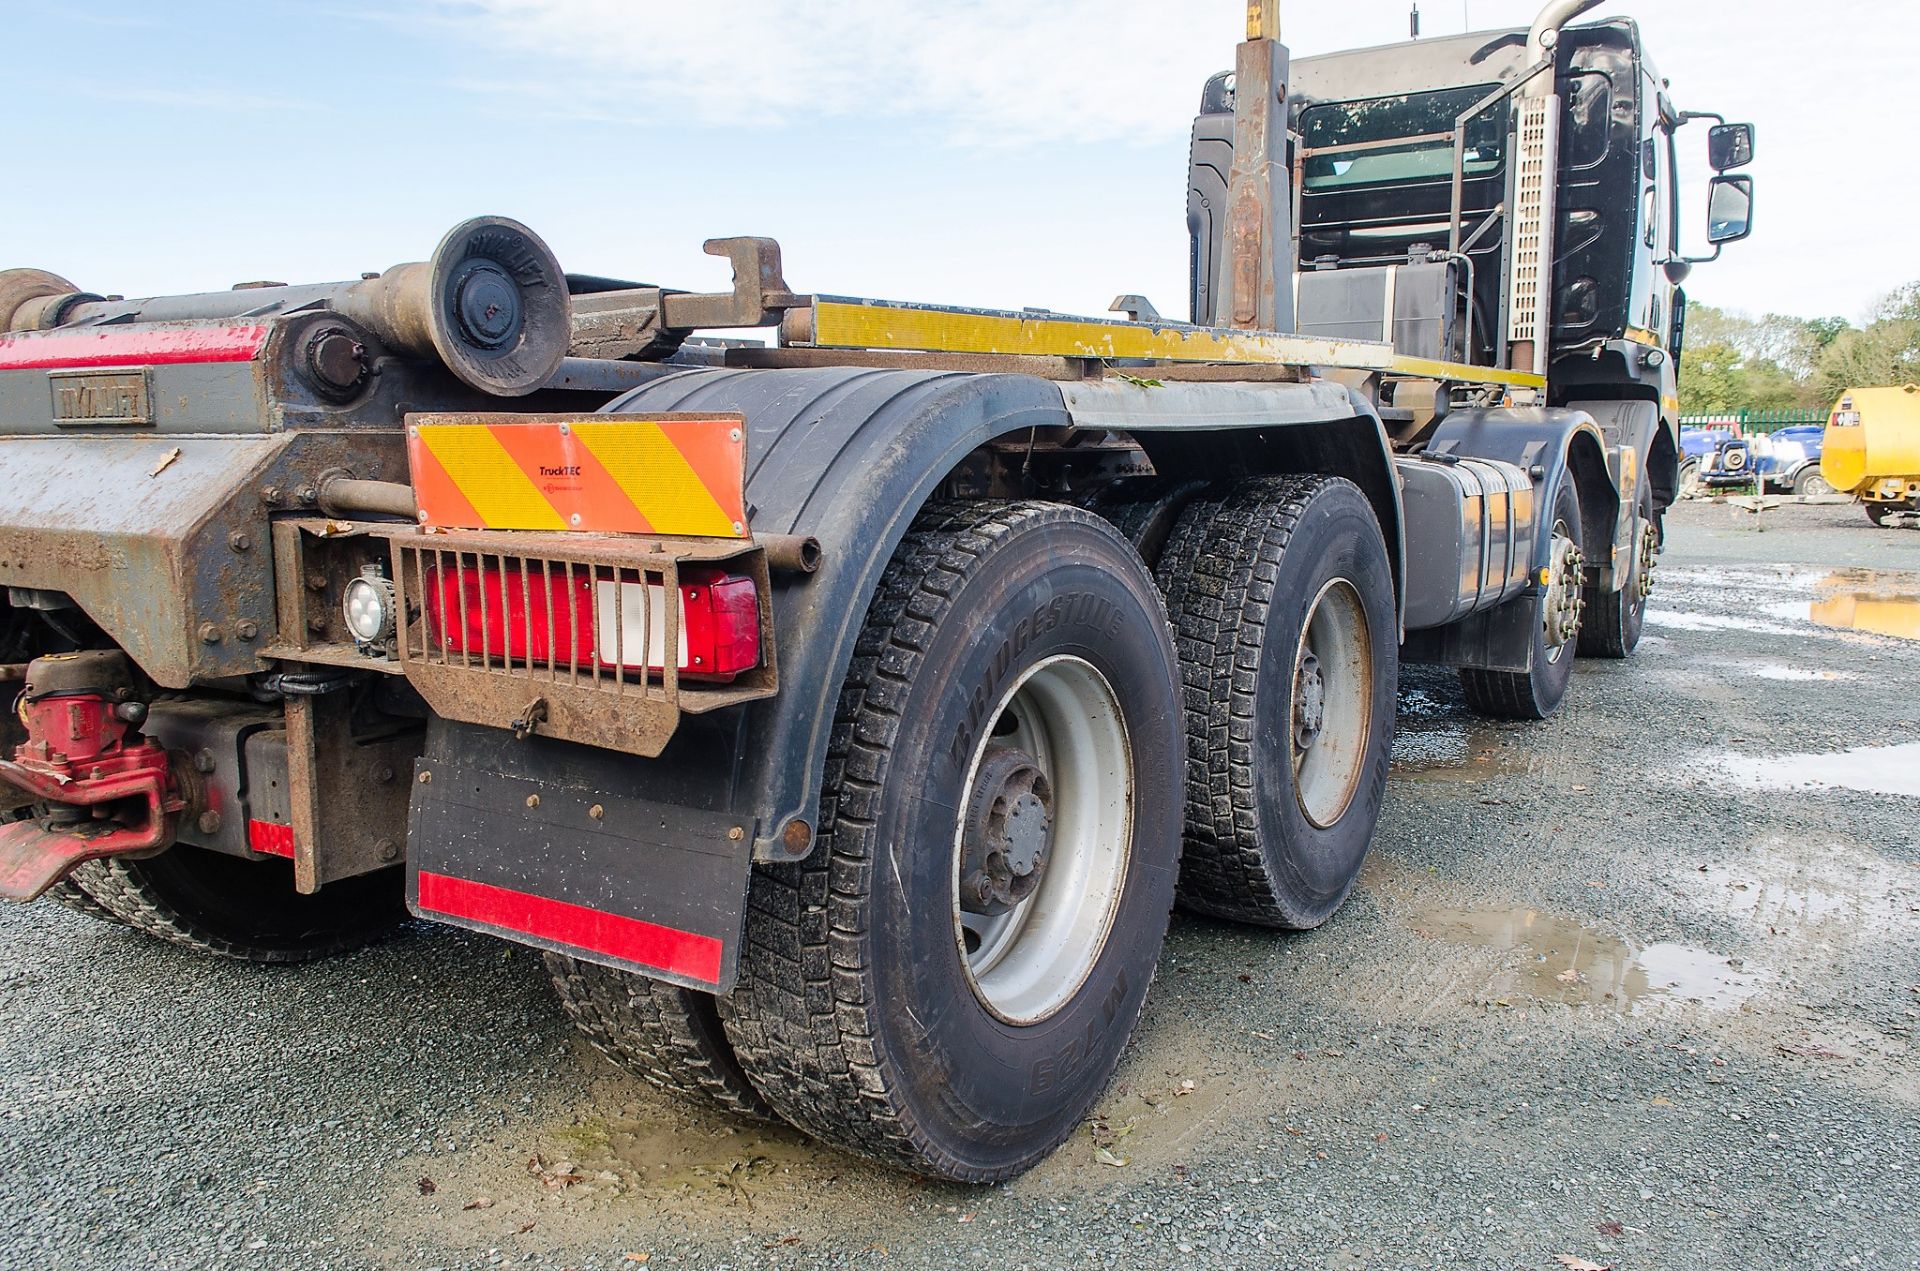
<point>1336,649</point>
<point>1026,964</point>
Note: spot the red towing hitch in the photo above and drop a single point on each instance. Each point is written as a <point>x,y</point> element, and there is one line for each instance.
<point>102,789</point>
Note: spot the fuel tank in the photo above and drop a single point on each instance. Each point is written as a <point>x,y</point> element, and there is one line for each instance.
<point>1873,435</point>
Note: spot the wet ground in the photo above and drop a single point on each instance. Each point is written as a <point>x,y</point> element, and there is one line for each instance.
<point>1635,988</point>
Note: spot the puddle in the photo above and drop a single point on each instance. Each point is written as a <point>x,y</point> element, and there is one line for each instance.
<point>1872,601</point>
<point>1788,674</point>
<point>1680,620</point>
<point>1870,769</point>
<point>1829,893</point>
<point>1562,961</point>
<point>1454,754</point>
<point>1878,613</point>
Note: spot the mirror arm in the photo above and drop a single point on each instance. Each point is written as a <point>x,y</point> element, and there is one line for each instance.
<point>1687,116</point>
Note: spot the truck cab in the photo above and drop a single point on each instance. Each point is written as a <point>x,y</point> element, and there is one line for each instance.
<point>1412,164</point>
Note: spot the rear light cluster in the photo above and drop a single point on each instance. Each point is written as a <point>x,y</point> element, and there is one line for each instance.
<point>575,620</point>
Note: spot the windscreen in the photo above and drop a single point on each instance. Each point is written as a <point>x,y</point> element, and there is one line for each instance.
<point>1383,120</point>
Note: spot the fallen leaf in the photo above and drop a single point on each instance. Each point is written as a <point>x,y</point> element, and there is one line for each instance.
<point>166,461</point>
<point>1611,1227</point>
<point>1572,1263</point>
<point>968,1217</point>
<point>523,1229</point>
<point>791,1238</point>
<point>1580,787</point>
<point>1661,1101</point>
<point>1186,1087</point>
<point>1245,978</point>
<point>427,1186</point>
<point>642,1258</point>
<point>1106,1156</point>
<point>479,1202</point>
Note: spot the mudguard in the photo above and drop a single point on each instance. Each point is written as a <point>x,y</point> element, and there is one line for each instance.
<point>1630,429</point>
<point>848,455</point>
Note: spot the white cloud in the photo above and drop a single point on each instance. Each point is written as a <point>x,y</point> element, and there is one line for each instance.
<point>984,72</point>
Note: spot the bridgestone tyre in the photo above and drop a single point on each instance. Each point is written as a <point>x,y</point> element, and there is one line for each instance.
<point>858,1013</point>
<point>1534,694</point>
<point>1611,626</point>
<point>246,910</point>
<point>662,1033</point>
<point>1244,571</point>
<point>69,893</point>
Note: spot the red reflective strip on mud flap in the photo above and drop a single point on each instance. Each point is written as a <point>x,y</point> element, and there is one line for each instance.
<point>104,346</point>
<point>274,840</point>
<point>628,939</point>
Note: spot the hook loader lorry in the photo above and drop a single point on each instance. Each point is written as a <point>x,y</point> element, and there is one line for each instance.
<point>843,716</point>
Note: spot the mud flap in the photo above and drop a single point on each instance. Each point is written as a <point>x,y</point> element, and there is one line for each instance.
<point>593,872</point>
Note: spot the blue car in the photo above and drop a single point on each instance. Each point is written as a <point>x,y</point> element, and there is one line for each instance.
<point>1786,461</point>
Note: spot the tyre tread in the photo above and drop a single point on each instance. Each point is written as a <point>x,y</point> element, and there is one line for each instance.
<point>802,1019</point>
<point>665,1034</point>
<point>1218,572</point>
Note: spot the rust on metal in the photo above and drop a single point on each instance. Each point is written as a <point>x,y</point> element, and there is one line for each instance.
<point>561,693</point>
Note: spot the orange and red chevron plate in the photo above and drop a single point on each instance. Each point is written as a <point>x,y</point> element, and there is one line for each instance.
<point>675,474</point>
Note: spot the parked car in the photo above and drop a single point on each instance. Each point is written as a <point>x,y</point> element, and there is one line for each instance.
<point>1697,445</point>
<point>1785,461</point>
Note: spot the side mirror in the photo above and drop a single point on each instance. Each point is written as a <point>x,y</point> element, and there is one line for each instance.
<point>1729,209</point>
<point>1729,146</point>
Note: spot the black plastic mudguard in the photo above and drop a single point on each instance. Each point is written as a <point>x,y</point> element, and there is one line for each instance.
<point>556,846</point>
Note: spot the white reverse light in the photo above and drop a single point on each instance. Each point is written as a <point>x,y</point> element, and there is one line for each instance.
<point>368,606</point>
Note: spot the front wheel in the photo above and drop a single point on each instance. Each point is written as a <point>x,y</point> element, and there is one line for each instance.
<point>947,982</point>
<point>1535,693</point>
<point>1613,621</point>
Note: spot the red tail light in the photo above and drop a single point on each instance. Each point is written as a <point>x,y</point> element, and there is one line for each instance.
<point>594,622</point>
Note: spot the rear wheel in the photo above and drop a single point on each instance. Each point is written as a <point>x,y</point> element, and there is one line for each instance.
<point>236,908</point>
<point>1611,625</point>
<point>1809,480</point>
<point>948,981</point>
<point>1536,693</point>
<point>1879,513</point>
<point>1282,601</point>
<point>668,1035</point>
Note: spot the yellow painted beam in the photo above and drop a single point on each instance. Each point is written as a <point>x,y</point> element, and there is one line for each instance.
<point>1461,373</point>
<point>852,324</point>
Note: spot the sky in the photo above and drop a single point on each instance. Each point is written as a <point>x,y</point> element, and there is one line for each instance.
<point>998,153</point>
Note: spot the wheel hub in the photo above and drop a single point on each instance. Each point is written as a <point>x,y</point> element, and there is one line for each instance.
<point>1309,701</point>
<point>1007,832</point>
<point>1567,574</point>
<point>1649,554</point>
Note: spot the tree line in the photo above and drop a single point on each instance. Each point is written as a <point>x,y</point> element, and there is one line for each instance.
<point>1733,362</point>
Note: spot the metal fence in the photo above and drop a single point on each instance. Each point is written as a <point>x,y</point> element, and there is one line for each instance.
<point>1750,422</point>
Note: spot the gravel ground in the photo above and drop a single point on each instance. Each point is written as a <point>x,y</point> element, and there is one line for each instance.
<point>1636,986</point>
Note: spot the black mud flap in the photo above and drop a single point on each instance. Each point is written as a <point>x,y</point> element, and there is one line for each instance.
<point>597,873</point>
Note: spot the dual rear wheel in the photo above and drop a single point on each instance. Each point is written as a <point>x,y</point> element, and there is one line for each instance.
<point>1032,726</point>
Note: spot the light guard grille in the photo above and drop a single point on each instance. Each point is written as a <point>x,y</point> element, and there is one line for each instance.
<point>623,592</point>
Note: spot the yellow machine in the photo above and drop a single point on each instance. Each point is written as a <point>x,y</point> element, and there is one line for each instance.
<point>1872,449</point>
